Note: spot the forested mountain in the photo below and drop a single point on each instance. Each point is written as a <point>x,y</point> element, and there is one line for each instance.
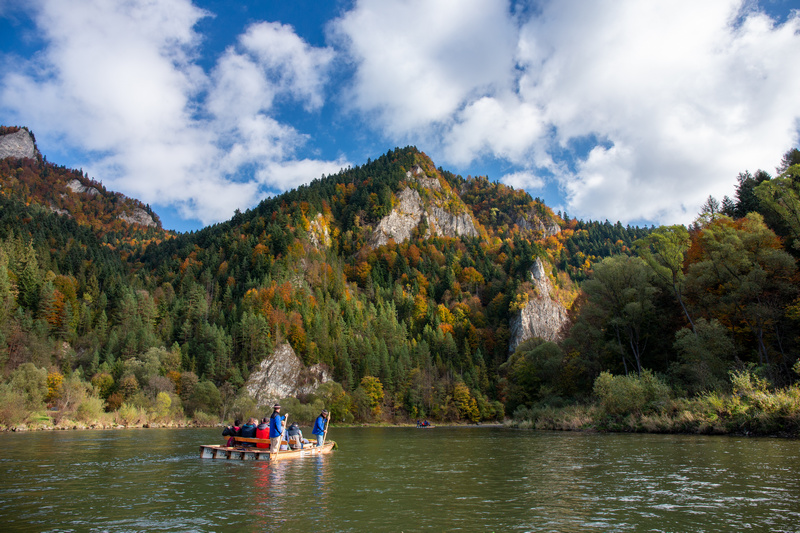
<point>401,279</point>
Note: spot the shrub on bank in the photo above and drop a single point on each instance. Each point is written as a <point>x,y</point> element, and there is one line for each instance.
<point>633,404</point>
<point>622,395</point>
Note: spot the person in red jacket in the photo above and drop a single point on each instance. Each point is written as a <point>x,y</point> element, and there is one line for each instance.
<point>262,432</point>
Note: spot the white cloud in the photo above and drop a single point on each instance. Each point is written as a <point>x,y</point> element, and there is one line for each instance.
<point>289,173</point>
<point>418,62</point>
<point>683,95</point>
<point>119,81</point>
<point>523,180</point>
<point>288,60</point>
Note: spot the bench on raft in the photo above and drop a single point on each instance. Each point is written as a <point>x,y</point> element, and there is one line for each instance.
<point>237,440</point>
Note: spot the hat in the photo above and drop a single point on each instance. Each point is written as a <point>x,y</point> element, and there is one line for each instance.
<point>276,406</point>
<point>324,411</point>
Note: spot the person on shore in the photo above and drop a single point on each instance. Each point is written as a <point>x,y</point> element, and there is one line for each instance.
<point>232,431</point>
<point>276,428</point>
<point>319,426</point>
<point>295,437</point>
<point>249,431</point>
<point>262,432</point>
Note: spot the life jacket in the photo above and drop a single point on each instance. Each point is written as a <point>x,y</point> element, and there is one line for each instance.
<point>262,432</point>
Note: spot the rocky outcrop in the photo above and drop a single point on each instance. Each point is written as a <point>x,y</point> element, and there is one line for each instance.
<point>416,173</point>
<point>318,234</point>
<point>542,316</point>
<point>547,226</point>
<point>441,222</point>
<point>18,144</point>
<point>136,216</point>
<point>76,186</point>
<point>139,216</point>
<point>399,224</point>
<point>283,375</point>
<point>410,211</point>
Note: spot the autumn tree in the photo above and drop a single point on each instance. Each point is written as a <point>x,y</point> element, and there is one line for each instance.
<point>621,290</point>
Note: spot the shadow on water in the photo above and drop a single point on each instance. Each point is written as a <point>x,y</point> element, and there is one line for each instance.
<point>402,479</point>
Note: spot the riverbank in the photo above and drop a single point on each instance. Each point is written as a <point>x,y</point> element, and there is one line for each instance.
<point>759,413</point>
<point>81,426</point>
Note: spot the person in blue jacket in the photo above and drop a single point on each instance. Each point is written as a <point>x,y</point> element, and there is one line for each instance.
<point>319,426</point>
<point>276,428</point>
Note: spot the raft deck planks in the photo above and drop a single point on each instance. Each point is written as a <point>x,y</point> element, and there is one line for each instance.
<point>213,451</point>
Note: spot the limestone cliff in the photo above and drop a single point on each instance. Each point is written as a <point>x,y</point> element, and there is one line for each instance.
<point>139,216</point>
<point>544,225</point>
<point>18,144</point>
<point>434,207</point>
<point>76,186</point>
<point>283,375</point>
<point>542,316</point>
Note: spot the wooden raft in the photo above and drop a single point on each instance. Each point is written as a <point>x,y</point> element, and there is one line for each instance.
<point>240,453</point>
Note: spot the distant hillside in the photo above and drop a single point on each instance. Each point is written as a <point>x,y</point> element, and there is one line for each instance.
<point>395,275</point>
<point>119,221</point>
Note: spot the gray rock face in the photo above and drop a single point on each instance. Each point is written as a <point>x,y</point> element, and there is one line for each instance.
<point>283,375</point>
<point>399,224</point>
<point>532,222</point>
<point>417,173</point>
<point>78,187</point>
<point>542,316</point>
<point>408,213</point>
<point>139,216</point>
<point>19,144</point>
<point>440,222</point>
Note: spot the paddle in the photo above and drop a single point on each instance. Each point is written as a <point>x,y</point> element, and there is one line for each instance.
<point>285,421</point>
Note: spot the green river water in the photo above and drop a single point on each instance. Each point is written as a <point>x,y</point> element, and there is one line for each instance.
<point>401,479</point>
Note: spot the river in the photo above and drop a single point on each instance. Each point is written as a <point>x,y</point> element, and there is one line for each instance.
<point>401,479</point>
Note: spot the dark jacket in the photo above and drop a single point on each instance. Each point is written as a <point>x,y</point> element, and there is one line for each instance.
<point>248,431</point>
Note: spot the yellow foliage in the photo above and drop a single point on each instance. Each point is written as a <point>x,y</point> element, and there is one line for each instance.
<point>55,382</point>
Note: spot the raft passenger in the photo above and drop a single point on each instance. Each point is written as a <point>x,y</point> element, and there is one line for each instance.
<point>262,432</point>
<point>295,437</point>
<point>249,431</point>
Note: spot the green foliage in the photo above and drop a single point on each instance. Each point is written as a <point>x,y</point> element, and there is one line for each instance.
<point>90,410</point>
<point>128,414</point>
<point>534,373</point>
<point>13,407</point>
<point>622,395</point>
<point>704,357</point>
<point>31,383</point>
<point>744,278</point>
<point>782,196</point>
<point>204,397</point>
<point>621,294</point>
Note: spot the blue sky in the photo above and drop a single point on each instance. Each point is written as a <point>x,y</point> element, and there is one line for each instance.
<point>607,109</point>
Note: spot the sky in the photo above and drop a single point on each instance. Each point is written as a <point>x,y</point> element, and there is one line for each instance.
<point>623,110</point>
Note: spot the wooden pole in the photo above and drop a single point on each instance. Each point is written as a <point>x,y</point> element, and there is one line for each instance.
<point>325,433</point>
